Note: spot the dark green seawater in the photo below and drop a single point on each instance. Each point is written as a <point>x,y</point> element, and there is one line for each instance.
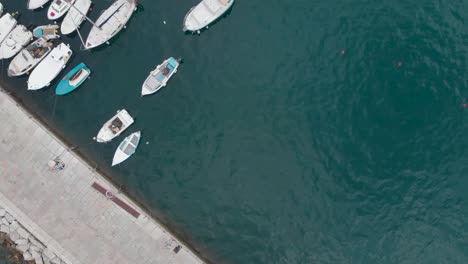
<point>270,145</point>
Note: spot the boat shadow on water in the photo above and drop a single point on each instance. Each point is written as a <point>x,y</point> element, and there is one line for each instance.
<point>216,21</point>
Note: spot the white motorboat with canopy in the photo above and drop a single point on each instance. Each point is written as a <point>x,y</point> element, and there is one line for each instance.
<point>29,57</point>
<point>126,148</point>
<point>49,67</point>
<point>205,13</point>
<point>75,16</point>
<point>58,8</point>
<point>159,77</point>
<point>34,4</point>
<point>7,23</point>
<point>16,40</point>
<point>115,126</point>
<point>111,21</point>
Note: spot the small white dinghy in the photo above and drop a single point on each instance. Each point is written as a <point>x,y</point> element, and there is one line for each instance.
<point>35,4</point>
<point>115,126</point>
<point>49,67</point>
<point>126,148</point>
<point>111,21</point>
<point>29,57</point>
<point>75,16</point>
<point>205,13</point>
<point>159,77</point>
<point>46,32</point>
<point>58,8</point>
<point>16,40</point>
<point>7,23</point>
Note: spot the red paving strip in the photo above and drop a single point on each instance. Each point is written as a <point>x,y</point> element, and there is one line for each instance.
<point>116,200</point>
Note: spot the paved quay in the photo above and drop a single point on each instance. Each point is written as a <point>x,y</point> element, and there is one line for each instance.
<point>75,212</point>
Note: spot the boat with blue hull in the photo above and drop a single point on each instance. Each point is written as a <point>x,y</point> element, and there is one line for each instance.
<point>73,79</point>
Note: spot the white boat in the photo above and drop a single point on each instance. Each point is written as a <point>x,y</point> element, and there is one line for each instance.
<point>1,9</point>
<point>58,8</point>
<point>126,148</point>
<point>205,13</point>
<point>115,126</point>
<point>159,77</point>
<point>49,67</point>
<point>34,4</point>
<point>46,32</point>
<point>29,57</point>
<point>7,23</point>
<point>111,21</point>
<point>19,37</point>
<point>75,16</point>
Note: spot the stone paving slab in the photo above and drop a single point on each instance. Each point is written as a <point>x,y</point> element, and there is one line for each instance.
<point>61,208</point>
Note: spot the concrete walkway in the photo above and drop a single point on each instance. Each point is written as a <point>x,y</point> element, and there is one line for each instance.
<point>79,222</point>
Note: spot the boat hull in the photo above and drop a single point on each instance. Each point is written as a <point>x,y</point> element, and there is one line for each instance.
<point>157,80</point>
<point>29,57</point>
<point>59,8</point>
<point>16,40</point>
<point>126,148</point>
<point>46,32</point>
<point>114,126</point>
<point>7,24</point>
<point>34,4</point>
<point>65,86</point>
<point>74,18</point>
<point>205,13</point>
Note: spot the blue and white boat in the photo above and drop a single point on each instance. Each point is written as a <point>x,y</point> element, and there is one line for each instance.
<point>159,77</point>
<point>126,148</point>
<point>73,79</point>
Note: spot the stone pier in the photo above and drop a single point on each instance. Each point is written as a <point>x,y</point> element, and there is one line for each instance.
<point>70,214</point>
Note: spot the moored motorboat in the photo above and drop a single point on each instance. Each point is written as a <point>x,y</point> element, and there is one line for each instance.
<point>58,8</point>
<point>49,67</point>
<point>115,126</point>
<point>19,37</point>
<point>159,77</point>
<point>29,57</point>
<point>205,13</point>
<point>46,32</point>
<point>34,4</point>
<point>73,79</point>
<point>7,23</point>
<point>126,148</point>
<point>75,16</point>
<point>111,21</point>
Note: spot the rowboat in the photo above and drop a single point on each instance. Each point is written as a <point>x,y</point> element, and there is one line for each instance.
<point>115,126</point>
<point>19,37</point>
<point>7,23</point>
<point>159,77</point>
<point>46,31</point>
<point>58,8</point>
<point>111,21</point>
<point>73,79</point>
<point>75,16</point>
<point>126,148</point>
<point>49,67</point>
<point>34,4</point>
<point>205,13</point>
<point>29,57</point>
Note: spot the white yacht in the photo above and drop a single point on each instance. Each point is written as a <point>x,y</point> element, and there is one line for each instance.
<point>29,57</point>
<point>7,23</point>
<point>75,16</point>
<point>35,4</point>
<point>19,37</point>
<point>111,21</point>
<point>49,67</point>
<point>115,126</point>
<point>58,8</point>
<point>205,13</point>
<point>126,148</point>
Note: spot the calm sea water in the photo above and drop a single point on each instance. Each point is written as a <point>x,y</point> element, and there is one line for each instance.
<point>272,146</point>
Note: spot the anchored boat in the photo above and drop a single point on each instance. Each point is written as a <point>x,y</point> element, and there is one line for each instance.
<point>46,32</point>
<point>205,13</point>
<point>75,16</point>
<point>159,77</point>
<point>29,57</point>
<point>7,23</point>
<point>115,126</point>
<point>49,67</point>
<point>73,79</point>
<point>58,8</point>
<point>111,21</point>
<point>16,40</point>
<point>126,148</point>
<point>34,4</point>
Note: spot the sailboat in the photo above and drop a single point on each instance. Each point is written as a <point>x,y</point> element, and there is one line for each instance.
<point>115,126</point>
<point>111,21</point>
<point>19,37</point>
<point>205,13</point>
<point>29,57</point>
<point>126,148</point>
<point>159,77</point>
<point>75,16</point>
<point>34,4</point>
<point>58,8</point>
<point>7,23</point>
<point>50,67</point>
